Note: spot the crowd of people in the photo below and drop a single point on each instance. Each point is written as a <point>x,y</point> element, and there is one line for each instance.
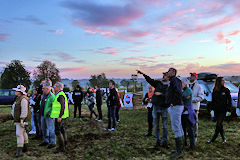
<point>48,108</point>
<point>178,98</point>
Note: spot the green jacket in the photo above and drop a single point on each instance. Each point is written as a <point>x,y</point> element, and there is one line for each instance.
<point>48,104</point>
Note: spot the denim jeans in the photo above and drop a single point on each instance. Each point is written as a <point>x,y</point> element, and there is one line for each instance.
<point>37,120</point>
<point>156,113</point>
<point>32,121</point>
<point>188,128</point>
<point>175,113</point>
<point>111,117</point>
<point>48,130</point>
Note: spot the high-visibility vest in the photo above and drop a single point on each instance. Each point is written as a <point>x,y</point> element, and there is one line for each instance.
<point>56,107</point>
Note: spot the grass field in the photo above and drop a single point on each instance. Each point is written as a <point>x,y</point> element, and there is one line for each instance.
<point>88,140</point>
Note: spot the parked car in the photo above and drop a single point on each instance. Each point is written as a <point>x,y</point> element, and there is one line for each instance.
<point>7,96</point>
<point>207,80</point>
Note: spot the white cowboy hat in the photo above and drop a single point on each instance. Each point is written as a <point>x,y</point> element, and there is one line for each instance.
<point>20,88</point>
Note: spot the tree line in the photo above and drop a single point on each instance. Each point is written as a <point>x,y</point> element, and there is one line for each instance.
<point>15,73</point>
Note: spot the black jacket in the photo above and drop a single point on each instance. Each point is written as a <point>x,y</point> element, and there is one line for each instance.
<point>99,97</point>
<point>174,94</point>
<point>37,100</point>
<point>112,99</point>
<point>144,99</point>
<point>159,87</point>
<point>77,96</point>
<point>221,100</point>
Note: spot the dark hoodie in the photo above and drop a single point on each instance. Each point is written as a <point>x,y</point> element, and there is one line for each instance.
<point>112,99</point>
<point>77,96</point>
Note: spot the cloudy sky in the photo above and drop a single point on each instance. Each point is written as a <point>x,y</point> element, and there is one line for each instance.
<point>85,37</point>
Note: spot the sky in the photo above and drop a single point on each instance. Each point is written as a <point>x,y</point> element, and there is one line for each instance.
<point>116,37</point>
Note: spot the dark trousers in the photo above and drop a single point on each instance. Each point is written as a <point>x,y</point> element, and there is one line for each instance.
<point>37,122</point>
<point>99,108</point>
<point>111,117</point>
<point>91,109</point>
<point>188,129</point>
<point>150,120</point>
<point>78,107</point>
<point>59,127</point>
<point>117,113</point>
<point>219,126</point>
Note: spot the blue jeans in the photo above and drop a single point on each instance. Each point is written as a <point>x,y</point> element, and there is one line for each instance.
<point>175,113</point>
<point>156,113</point>
<point>32,121</point>
<point>37,120</point>
<point>48,130</point>
<point>111,117</point>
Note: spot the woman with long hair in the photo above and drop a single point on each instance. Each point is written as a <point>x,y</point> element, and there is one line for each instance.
<point>221,103</point>
<point>90,100</point>
<point>147,101</point>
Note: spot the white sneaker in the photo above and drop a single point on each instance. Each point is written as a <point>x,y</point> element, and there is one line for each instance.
<point>80,119</point>
<point>113,129</point>
<point>96,119</point>
<point>99,120</point>
<point>32,132</point>
<point>106,129</point>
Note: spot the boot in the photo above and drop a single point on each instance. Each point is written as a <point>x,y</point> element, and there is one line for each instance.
<point>179,148</point>
<point>25,147</point>
<point>165,145</point>
<point>65,138</point>
<point>148,134</point>
<point>61,147</point>
<point>19,152</point>
<point>214,137</point>
<point>157,145</point>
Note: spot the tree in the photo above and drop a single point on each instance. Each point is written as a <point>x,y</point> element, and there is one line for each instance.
<point>46,69</point>
<point>99,80</point>
<point>75,83</point>
<point>126,83</point>
<point>15,74</point>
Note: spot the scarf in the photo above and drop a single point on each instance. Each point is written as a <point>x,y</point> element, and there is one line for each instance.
<point>150,94</point>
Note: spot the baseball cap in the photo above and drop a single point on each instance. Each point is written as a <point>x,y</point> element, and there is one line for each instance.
<point>195,74</point>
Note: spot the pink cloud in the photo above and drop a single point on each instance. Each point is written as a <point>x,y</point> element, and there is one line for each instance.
<point>72,69</point>
<point>201,57</point>
<point>177,14</point>
<point>3,36</point>
<point>233,33</point>
<point>205,27</point>
<point>107,33</point>
<point>107,50</point>
<point>137,51</point>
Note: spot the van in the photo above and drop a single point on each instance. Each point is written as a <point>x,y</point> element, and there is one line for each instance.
<point>7,96</point>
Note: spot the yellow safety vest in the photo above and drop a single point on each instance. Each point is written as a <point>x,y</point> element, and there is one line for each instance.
<point>56,107</point>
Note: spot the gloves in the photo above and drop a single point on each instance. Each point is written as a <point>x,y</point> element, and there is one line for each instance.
<point>228,114</point>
